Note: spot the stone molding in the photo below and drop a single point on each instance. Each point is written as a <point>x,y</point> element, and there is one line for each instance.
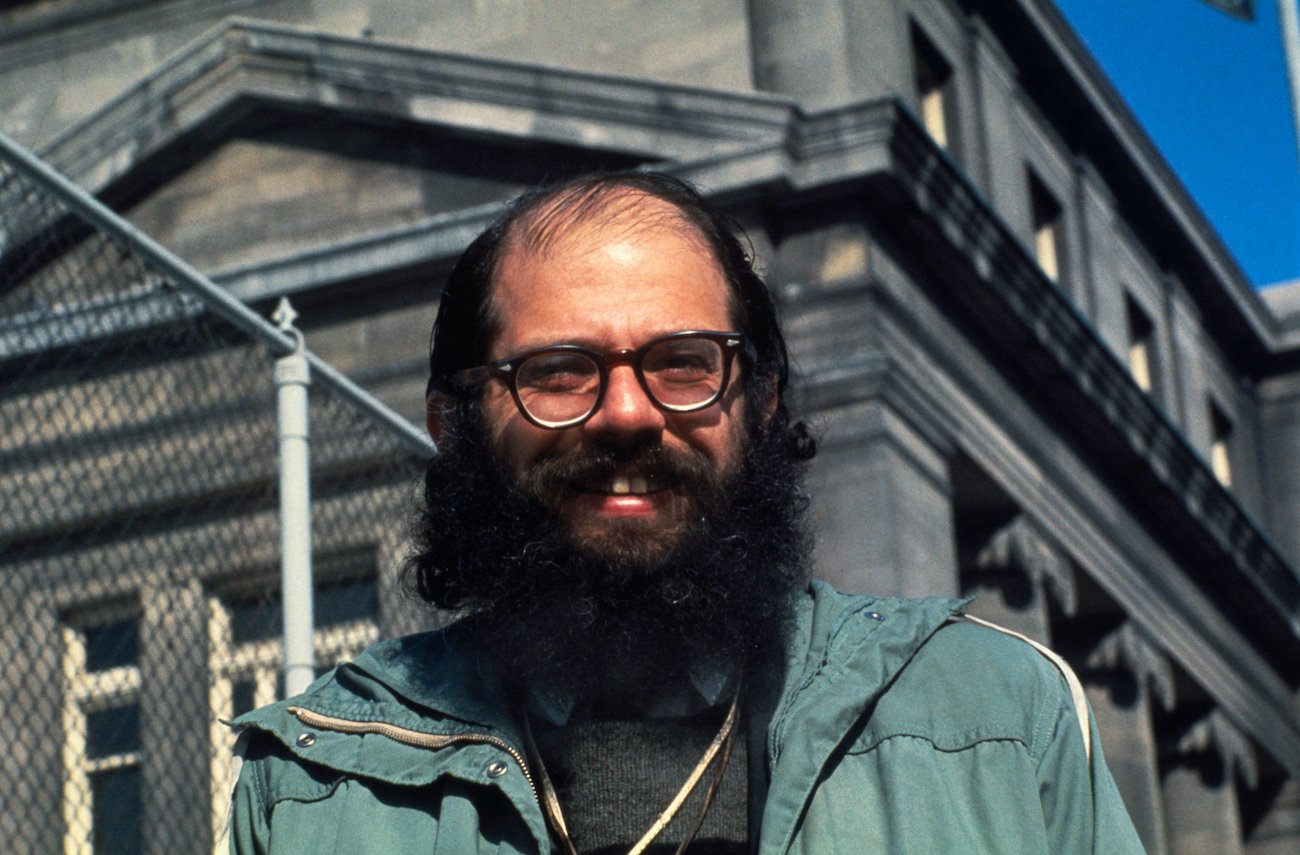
<point>1214,732</point>
<point>1128,648</point>
<point>1021,546</point>
<point>217,78</point>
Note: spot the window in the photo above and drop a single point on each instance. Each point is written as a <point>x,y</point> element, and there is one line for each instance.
<point>1220,445</point>
<point>1141,346</point>
<point>245,624</point>
<point>101,727</point>
<point>1045,213</point>
<point>933,79</point>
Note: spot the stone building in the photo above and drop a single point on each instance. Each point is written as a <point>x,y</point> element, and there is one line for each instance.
<point>1038,373</point>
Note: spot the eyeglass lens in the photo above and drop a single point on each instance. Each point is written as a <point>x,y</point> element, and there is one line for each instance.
<point>679,374</point>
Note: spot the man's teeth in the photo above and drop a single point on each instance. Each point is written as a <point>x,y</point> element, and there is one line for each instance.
<point>623,485</point>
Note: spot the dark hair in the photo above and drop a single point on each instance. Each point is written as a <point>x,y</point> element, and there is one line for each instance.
<point>465,325</point>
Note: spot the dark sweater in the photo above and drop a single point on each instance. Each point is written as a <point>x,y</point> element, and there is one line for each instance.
<point>614,778</point>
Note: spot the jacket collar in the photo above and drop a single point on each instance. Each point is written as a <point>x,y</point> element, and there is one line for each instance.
<point>842,652</point>
<point>845,651</point>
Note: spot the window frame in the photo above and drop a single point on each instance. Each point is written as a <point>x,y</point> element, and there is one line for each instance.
<point>934,86</point>
<point>87,691</point>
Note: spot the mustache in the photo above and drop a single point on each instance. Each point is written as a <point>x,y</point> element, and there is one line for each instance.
<point>589,467</point>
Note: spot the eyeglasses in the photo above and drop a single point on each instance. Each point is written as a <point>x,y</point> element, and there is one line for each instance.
<point>562,386</point>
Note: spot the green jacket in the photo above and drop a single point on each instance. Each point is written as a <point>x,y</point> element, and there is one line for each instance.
<point>894,730</point>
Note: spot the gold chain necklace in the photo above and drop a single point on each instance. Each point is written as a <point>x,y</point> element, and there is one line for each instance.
<point>721,744</point>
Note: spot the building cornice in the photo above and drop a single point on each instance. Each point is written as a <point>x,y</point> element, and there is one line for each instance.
<point>1106,132</point>
<point>1049,339</point>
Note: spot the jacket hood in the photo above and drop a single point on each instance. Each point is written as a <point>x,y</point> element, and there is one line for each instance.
<point>432,684</point>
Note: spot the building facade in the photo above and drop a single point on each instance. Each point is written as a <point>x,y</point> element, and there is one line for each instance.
<point>1037,373</point>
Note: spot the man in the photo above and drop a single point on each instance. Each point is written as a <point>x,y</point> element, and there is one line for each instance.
<point>617,509</point>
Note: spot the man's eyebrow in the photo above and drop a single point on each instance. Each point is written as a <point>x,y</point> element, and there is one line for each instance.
<point>598,346</point>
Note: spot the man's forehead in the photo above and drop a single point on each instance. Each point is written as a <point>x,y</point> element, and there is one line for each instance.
<point>567,222</point>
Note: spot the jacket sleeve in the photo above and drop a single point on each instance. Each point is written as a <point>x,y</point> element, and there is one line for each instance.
<point>1081,805</point>
<point>247,828</point>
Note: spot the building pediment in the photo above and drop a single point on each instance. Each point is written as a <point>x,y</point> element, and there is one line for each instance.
<point>260,142</point>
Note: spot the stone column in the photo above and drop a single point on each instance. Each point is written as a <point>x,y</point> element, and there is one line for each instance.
<point>174,717</point>
<point>1189,406</point>
<point>783,34</point>
<point>1200,795</point>
<point>882,506</point>
<point>1124,671</point>
<point>31,698</point>
<point>1201,811</point>
<point>1280,446</point>
<point>1278,833</point>
<point>827,52</point>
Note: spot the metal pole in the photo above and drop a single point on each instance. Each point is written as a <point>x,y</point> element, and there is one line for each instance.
<point>1289,24</point>
<point>292,377</point>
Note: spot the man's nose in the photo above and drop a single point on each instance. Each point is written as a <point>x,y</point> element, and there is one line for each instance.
<point>626,411</point>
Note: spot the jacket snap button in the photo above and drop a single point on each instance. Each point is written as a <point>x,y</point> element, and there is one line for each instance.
<point>496,769</point>
<point>306,740</point>
<point>877,616</point>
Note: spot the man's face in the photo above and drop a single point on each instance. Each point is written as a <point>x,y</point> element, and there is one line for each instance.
<point>631,479</point>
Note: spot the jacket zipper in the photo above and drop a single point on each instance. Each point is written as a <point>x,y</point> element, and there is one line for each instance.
<point>414,738</point>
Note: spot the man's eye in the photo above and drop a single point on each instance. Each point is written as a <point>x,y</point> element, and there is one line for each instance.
<point>687,365</point>
<point>560,373</point>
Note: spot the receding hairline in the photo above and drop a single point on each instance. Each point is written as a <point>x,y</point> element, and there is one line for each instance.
<point>616,210</point>
<point>623,207</point>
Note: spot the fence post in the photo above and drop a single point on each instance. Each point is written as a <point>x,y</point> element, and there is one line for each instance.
<point>292,377</point>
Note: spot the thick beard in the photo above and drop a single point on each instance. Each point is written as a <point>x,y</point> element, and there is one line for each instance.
<point>613,623</point>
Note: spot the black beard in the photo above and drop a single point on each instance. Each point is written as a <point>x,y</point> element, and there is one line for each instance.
<point>612,623</point>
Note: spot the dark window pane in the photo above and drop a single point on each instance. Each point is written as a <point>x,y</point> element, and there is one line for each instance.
<point>115,730</point>
<point>115,794</point>
<point>242,696</point>
<point>113,645</point>
<point>346,600</point>
<point>335,602</point>
<point>256,620</point>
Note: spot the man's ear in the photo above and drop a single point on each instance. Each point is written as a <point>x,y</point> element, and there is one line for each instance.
<point>436,405</point>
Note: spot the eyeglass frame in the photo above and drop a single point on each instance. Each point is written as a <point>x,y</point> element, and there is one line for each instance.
<point>504,370</point>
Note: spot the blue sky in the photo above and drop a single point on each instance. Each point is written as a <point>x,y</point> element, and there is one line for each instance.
<point>1211,91</point>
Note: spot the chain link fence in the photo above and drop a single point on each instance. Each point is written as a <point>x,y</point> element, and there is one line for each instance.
<point>139,565</point>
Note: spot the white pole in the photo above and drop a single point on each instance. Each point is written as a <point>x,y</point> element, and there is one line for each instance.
<point>292,377</point>
<point>1289,24</point>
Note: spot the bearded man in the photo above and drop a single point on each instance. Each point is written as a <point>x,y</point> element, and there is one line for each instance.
<point>641,664</point>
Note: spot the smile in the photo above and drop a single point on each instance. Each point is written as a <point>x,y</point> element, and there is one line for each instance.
<point>624,486</point>
<point>631,485</point>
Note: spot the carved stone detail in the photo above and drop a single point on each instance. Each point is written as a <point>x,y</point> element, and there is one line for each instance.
<point>1129,648</point>
<point>1019,545</point>
<point>1216,733</point>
